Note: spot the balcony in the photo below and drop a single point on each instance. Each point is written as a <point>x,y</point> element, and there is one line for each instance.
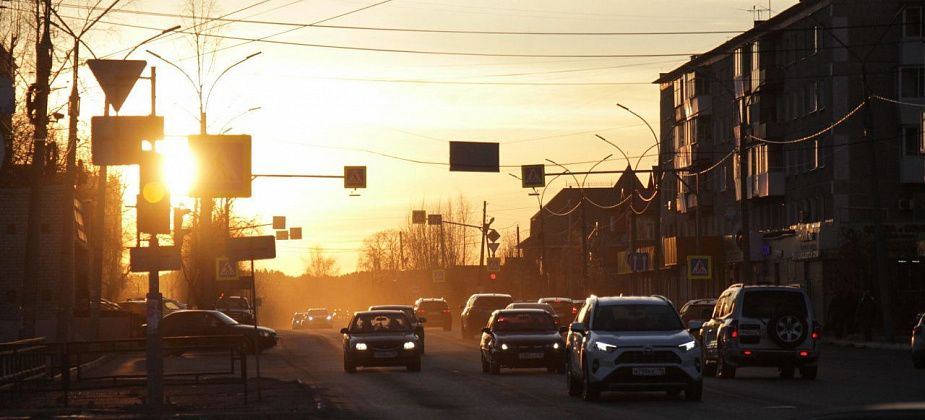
<point>701,105</point>
<point>767,184</point>
<point>912,170</point>
<point>688,202</point>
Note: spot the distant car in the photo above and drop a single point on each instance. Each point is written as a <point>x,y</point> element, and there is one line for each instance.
<point>521,338</point>
<point>632,343</point>
<point>918,343</point>
<point>417,323</point>
<point>437,312</point>
<point>697,310</point>
<point>298,319</point>
<point>564,307</point>
<point>478,309</point>
<point>140,306</point>
<point>205,322</point>
<point>237,307</point>
<point>381,338</point>
<point>318,318</point>
<point>758,325</point>
<point>541,306</point>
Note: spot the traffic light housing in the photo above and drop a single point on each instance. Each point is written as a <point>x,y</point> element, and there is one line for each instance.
<point>153,203</point>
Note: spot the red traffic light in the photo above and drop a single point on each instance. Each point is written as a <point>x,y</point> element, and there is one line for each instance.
<point>493,276</point>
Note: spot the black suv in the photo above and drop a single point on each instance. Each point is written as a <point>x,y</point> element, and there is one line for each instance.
<point>436,311</point>
<point>477,309</point>
<point>237,307</point>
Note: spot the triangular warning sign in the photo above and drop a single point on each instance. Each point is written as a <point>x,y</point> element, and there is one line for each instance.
<point>699,268</point>
<point>493,246</point>
<point>117,78</point>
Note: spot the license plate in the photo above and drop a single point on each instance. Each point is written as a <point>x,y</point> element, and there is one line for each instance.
<point>385,354</point>
<point>653,371</point>
<point>530,355</point>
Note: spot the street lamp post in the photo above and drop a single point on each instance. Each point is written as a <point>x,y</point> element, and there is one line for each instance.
<point>206,206</point>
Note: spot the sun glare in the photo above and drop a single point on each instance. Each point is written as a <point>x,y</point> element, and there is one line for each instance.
<point>179,166</point>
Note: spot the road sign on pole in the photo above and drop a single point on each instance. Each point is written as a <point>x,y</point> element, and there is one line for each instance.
<point>224,165</point>
<point>439,275</point>
<point>117,140</point>
<point>418,217</point>
<point>252,247</point>
<point>435,219</point>
<point>532,176</point>
<point>354,177</point>
<point>279,222</point>
<point>295,233</point>
<point>467,156</point>
<point>493,246</point>
<point>225,269</point>
<point>117,78</point>
<point>493,235</point>
<point>699,267</point>
<point>161,258</point>
<point>494,264</point>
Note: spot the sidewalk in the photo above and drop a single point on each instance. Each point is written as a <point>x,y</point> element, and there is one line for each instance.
<point>856,341</point>
<point>279,400</point>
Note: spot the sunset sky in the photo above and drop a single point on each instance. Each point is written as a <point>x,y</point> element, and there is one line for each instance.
<point>541,96</point>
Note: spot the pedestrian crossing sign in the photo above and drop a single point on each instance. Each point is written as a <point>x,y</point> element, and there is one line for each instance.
<point>533,176</point>
<point>699,267</point>
<point>225,269</point>
<point>354,177</point>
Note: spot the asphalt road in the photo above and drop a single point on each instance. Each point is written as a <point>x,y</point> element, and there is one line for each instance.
<point>451,385</point>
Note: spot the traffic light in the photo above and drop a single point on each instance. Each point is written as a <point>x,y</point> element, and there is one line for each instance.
<point>493,276</point>
<point>153,204</point>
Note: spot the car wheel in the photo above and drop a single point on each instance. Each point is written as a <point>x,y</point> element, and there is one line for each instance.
<point>415,365</point>
<point>349,366</point>
<point>588,391</point>
<point>574,387</point>
<point>809,372</point>
<point>786,372</point>
<point>723,370</point>
<point>484,364</point>
<point>787,330</point>
<point>694,391</point>
<point>494,367</point>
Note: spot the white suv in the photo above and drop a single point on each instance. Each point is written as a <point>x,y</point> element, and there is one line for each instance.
<point>630,344</point>
<point>770,326</point>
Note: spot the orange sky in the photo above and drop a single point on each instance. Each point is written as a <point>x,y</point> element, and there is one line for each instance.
<point>321,108</point>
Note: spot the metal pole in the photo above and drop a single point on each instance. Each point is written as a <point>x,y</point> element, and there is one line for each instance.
<point>543,276</point>
<point>256,331</point>
<point>482,247</point>
<point>154,361</point>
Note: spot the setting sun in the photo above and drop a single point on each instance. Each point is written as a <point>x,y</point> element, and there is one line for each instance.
<point>178,166</point>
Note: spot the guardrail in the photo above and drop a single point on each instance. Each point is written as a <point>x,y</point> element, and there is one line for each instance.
<point>33,365</point>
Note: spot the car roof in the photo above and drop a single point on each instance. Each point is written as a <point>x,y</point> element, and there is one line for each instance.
<point>380,311</point>
<point>632,300</point>
<point>701,302</point>
<point>553,299</point>
<point>378,307</point>
<point>492,295</point>
<point>317,309</point>
<point>528,305</point>
<point>432,299</point>
<point>520,310</point>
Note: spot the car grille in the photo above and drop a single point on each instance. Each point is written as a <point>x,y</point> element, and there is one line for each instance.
<point>385,346</point>
<point>643,357</point>
<point>625,375</point>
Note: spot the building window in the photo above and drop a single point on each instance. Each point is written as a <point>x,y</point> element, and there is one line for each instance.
<point>913,22</point>
<point>912,140</point>
<point>912,82</point>
<point>817,38</point>
<point>678,92</point>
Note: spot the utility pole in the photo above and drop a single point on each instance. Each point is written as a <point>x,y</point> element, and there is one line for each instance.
<point>744,133</point>
<point>482,247</point>
<point>39,116</point>
<point>584,247</point>
<point>543,262</point>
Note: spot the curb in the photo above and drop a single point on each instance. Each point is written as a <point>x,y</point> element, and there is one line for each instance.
<point>868,344</point>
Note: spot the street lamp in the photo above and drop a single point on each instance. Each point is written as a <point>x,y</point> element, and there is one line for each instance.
<point>226,127</point>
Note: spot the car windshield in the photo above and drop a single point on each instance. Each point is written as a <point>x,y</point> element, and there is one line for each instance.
<point>635,317</point>
<point>494,302</point>
<point>318,312</point>
<point>542,306</point>
<point>523,321</point>
<point>379,322</point>
<point>409,311</point>
<point>770,303</point>
<point>233,303</point>
<point>225,318</point>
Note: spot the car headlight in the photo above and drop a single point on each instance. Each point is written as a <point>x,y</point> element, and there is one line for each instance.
<point>409,345</point>
<point>504,347</point>
<point>555,346</point>
<point>329,317</point>
<point>264,334</point>
<point>311,318</point>
<point>360,346</point>
<point>604,346</point>
<point>688,346</point>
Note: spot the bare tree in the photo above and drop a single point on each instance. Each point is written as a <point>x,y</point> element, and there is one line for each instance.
<point>320,265</point>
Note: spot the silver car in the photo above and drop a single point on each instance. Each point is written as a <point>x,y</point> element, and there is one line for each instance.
<point>632,344</point>
<point>918,343</point>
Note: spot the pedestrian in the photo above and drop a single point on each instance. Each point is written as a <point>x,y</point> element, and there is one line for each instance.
<point>866,314</point>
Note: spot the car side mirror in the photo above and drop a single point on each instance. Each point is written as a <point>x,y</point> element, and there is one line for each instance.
<point>343,331</point>
<point>578,327</point>
<point>422,320</point>
<point>563,329</point>
<point>694,325</point>
<point>486,330</point>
